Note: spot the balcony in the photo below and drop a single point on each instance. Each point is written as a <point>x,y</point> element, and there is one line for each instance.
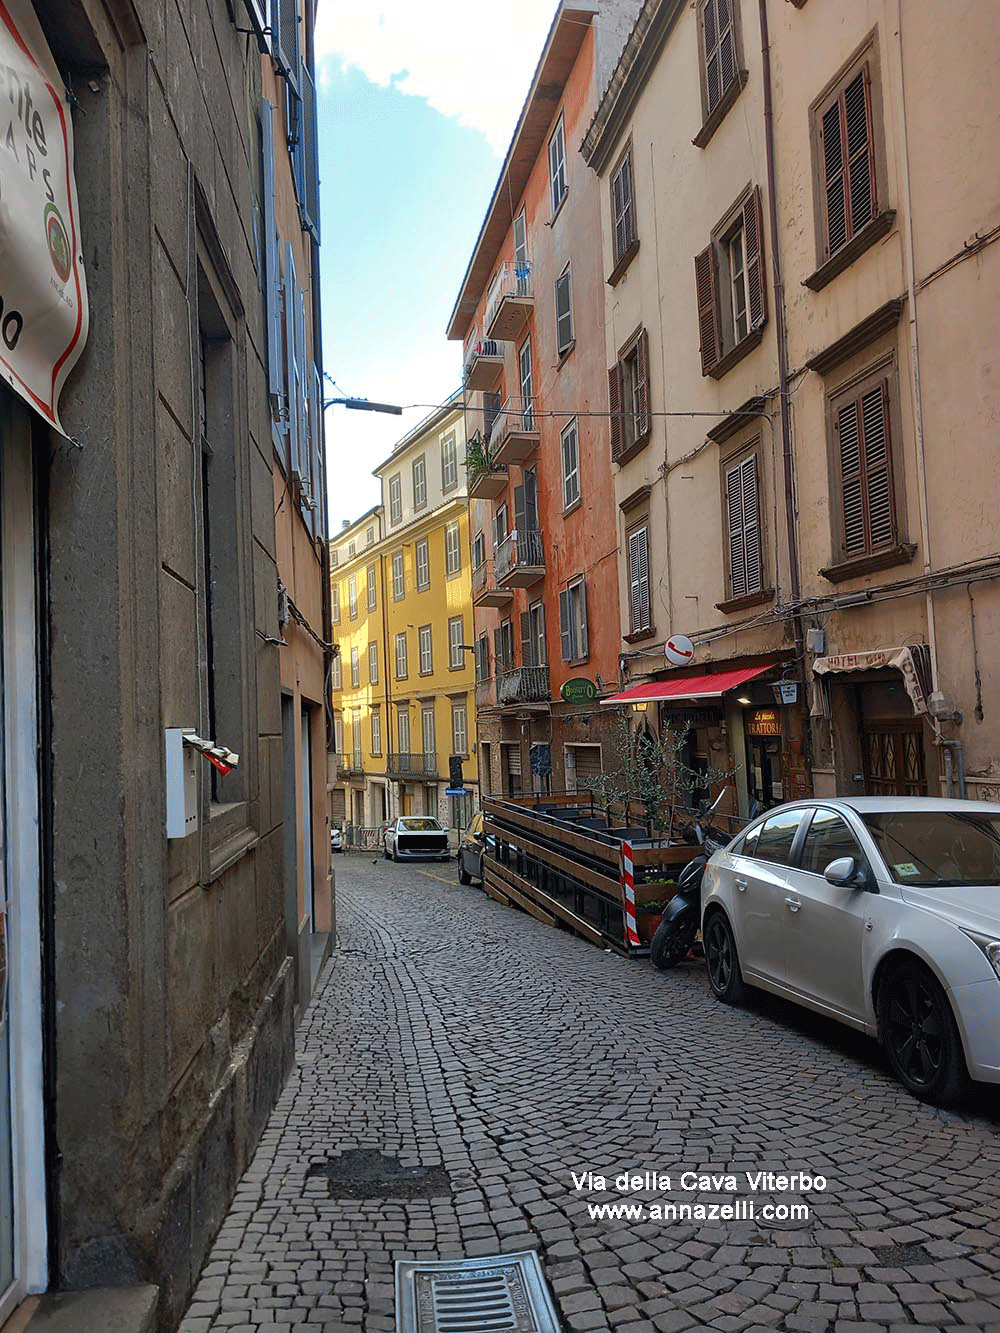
<point>412,766</point>
<point>522,685</point>
<point>486,480</point>
<point>351,765</point>
<point>510,302</point>
<point>484,587</point>
<point>483,362</point>
<point>484,693</point>
<point>514,433</point>
<point>519,559</point>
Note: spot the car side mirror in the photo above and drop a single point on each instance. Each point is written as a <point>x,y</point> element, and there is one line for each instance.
<point>845,873</point>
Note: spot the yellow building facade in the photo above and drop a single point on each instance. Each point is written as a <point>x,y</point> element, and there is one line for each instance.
<point>404,680</point>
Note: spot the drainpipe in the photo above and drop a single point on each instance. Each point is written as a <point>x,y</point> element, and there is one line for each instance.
<point>781,338</point>
<point>386,673</point>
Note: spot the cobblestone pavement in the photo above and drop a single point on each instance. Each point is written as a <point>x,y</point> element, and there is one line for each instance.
<point>451,1033</point>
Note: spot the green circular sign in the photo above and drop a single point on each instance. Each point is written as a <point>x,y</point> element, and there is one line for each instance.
<point>579,690</point>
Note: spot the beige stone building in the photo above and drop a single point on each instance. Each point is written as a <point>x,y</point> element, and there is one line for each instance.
<point>800,460</point>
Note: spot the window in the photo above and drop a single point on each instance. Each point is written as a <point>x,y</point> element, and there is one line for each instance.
<point>376,730</point>
<point>862,464</point>
<point>369,536</point>
<point>352,596</point>
<point>334,557</point>
<point>372,590</point>
<point>373,664</point>
<point>527,388</point>
<point>337,679</point>
<point>336,603</point>
<point>483,657</point>
<point>398,585</point>
<point>426,653</point>
<point>456,657</point>
<point>557,166</point>
<point>533,650</point>
<point>459,727</point>
<point>401,656</point>
<point>479,551</point>
<point>352,550</point>
<point>449,463</point>
<point>777,835</point>
<point>844,127</point>
<point>423,565</point>
<point>628,394</point>
<point>503,646</point>
<point>731,287</point>
<point>828,839</point>
<point>570,466</point>
<point>403,728</point>
<point>492,403</point>
<point>419,482</point>
<point>355,669</point>
<point>638,577</point>
<point>427,734</point>
<point>356,739</point>
<point>501,525</point>
<point>395,499</point>
<point>564,313</point>
<point>721,76</point>
<point>520,241</point>
<point>746,572</point>
<point>452,551</point>
<point>623,207</point>
<point>573,622</point>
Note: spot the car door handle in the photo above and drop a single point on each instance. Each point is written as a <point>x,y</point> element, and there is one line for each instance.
<point>741,884</point>
<point>793,904</point>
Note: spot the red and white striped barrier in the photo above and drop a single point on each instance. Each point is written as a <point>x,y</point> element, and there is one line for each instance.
<point>632,940</point>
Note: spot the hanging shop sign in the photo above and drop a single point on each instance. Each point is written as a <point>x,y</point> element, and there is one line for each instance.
<point>579,690</point>
<point>762,722</point>
<point>43,294</point>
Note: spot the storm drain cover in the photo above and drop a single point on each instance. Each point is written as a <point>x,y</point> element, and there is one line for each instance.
<point>363,1173</point>
<point>502,1295</point>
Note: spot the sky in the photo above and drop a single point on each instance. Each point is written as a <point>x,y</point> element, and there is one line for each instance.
<point>416,108</point>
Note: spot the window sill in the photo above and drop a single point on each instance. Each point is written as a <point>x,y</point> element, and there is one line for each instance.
<point>636,447</point>
<point>900,554</point>
<point>618,272</point>
<point>564,356</point>
<point>558,208</point>
<point>855,247</point>
<point>737,353</point>
<point>744,603</point>
<point>577,661</point>
<point>573,507</point>
<point>230,837</point>
<point>719,114</point>
<point>639,635</point>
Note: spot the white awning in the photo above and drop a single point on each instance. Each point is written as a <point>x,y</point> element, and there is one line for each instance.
<point>909,661</point>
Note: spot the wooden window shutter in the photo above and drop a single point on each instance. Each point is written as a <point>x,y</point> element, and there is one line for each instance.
<point>286,45</point>
<point>527,648</point>
<point>531,500</point>
<point>615,405</point>
<point>869,517</point>
<point>291,373</point>
<point>743,523</point>
<point>309,151</point>
<point>583,647</point>
<point>737,553</point>
<point>491,410</point>
<point>519,515</point>
<point>846,141</point>
<point>272,267</point>
<point>565,631</point>
<point>642,417</point>
<point>498,656</point>
<point>638,563</point>
<point>707,288</point>
<point>753,232</point>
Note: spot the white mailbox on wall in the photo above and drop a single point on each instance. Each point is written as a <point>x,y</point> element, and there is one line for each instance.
<point>182,783</point>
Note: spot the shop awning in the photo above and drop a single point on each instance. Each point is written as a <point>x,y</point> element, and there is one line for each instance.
<point>912,661</point>
<point>690,687</point>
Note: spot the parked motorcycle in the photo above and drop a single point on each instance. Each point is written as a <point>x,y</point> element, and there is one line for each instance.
<point>678,926</point>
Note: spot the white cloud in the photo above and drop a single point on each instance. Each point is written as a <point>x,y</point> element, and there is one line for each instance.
<point>470,61</point>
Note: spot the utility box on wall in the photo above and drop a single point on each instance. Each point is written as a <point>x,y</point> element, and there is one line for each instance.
<point>182,784</point>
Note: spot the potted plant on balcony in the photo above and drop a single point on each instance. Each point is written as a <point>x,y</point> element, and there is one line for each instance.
<point>477,458</point>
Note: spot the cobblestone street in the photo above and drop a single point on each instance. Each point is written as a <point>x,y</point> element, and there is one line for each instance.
<point>451,1033</point>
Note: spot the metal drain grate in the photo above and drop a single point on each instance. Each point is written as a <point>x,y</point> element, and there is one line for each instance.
<point>502,1295</point>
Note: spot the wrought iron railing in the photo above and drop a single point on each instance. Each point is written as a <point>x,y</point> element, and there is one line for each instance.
<point>519,685</point>
<point>491,347</point>
<point>516,414</point>
<point>512,280</point>
<point>420,765</point>
<point>519,548</point>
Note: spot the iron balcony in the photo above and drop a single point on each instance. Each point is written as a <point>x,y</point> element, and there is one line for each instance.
<point>520,559</point>
<point>514,433</point>
<point>522,685</point>
<point>412,766</point>
<point>484,587</point>
<point>483,361</point>
<point>510,302</point>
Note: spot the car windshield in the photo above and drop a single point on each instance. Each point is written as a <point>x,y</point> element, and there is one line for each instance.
<point>938,847</point>
<point>423,825</point>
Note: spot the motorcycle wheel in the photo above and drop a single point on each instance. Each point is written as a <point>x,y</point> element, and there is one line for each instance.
<point>673,939</point>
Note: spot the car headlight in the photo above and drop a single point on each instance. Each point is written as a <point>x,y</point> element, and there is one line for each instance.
<point>990,947</point>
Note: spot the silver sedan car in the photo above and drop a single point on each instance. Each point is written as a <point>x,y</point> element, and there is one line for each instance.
<point>416,837</point>
<point>882,912</point>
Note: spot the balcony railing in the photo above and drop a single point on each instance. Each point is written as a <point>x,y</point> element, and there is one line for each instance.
<point>514,433</point>
<point>486,478</point>
<point>510,302</point>
<point>484,587</point>
<point>522,685</point>
<point>350,765</point>
<point>483,359</point>
<point>412,765</point>
<point>520,559</point>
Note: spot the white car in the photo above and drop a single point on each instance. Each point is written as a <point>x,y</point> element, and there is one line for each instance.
<point>336,840</point>
<point>882,912</point>
<point>416,837</point>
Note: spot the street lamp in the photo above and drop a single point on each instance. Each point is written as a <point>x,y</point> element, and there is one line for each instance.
<point>363,405</point>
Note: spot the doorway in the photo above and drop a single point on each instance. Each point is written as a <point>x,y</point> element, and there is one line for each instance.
<point>892,758</point>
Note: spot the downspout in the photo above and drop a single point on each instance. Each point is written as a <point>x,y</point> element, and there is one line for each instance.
<point>387,673</point>
<point>781,337</point>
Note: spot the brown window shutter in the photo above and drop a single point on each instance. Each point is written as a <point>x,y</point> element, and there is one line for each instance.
<point>643,420</point>
<point>866,473</point>
<point>706,285</point>
<point>615,407</point>
<point>860,172</point>
<point>527,647</point>
<point>753,231</point>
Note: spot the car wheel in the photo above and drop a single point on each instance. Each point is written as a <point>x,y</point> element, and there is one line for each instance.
<point>919,1034</point>
<point>463,875</point>
<point>395,854</point>
<point>723,962</point>
<point>385,851</point>
<point>673,939</point>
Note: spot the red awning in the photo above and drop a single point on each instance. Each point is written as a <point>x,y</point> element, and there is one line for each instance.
<point>689,687</point>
